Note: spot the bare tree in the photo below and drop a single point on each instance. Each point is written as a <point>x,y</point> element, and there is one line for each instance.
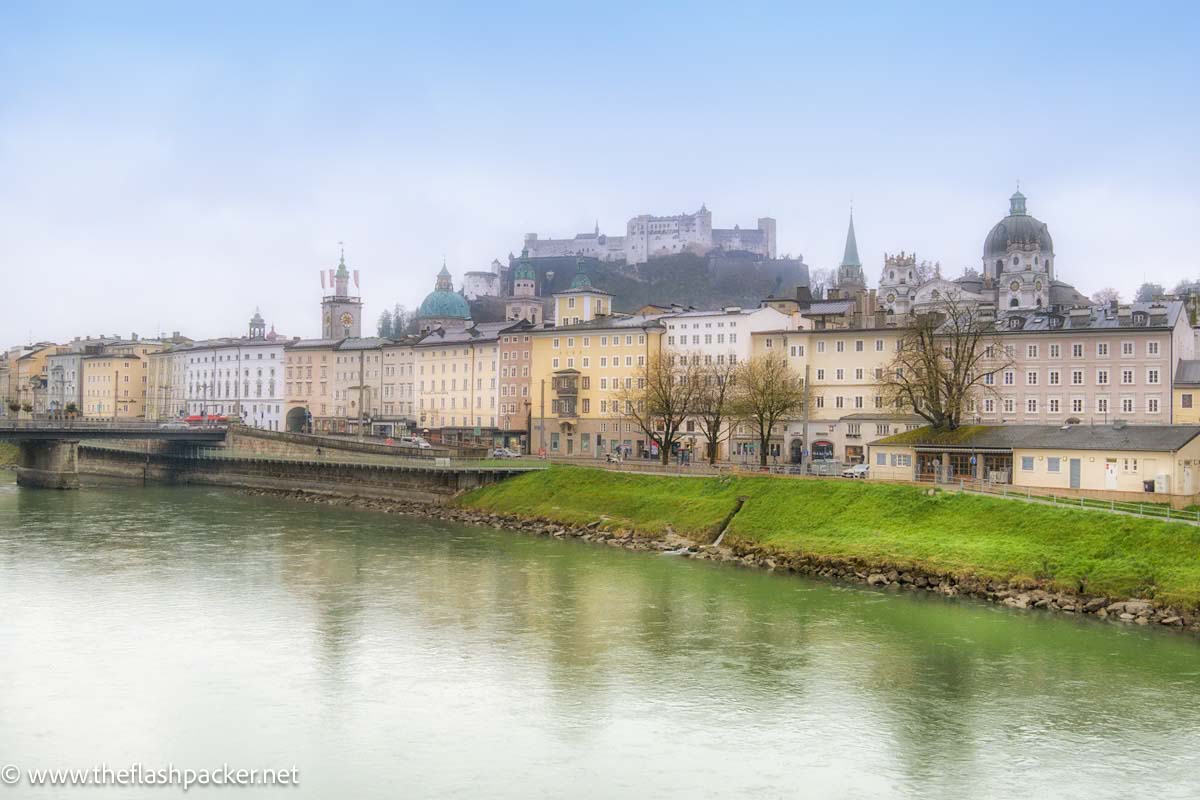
<point>1105,296</point>
<point>946,358</point>
<point>820,280</point>
<point>659,397</point>
<point>767,390</point>
<point>714,403</point>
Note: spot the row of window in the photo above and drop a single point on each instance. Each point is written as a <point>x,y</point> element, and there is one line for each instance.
<point>1127,375</point>
<point>604,341</point>
<point>1054,405</point>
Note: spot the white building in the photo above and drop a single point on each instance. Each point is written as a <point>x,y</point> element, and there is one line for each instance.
<point>237,377</point>
<point>647,237</point>
<point>718,338</point>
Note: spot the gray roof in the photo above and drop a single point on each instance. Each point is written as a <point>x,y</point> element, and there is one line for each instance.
<point>480,332</point>
<point>1157,316</point>
<point>1187,373</point>
<point>828,307</point>
<point>1154,438</point>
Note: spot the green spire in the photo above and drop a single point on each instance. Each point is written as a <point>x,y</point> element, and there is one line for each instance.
<point>850,257</point>
<point>342,272</point>
<point>524,268</point>
<point>581,281</point>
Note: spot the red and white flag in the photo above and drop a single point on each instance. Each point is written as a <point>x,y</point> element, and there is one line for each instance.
<point>331,281</point>
<point>322,279</point>
<point>355,279</point>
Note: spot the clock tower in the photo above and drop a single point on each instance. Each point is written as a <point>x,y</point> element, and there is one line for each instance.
<point>341,314</point>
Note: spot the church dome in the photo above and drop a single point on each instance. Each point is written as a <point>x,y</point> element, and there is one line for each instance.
<point>443,301</point>
<point>1017,227</point>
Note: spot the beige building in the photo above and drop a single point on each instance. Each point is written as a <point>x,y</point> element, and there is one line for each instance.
<point>399,397</point>
<point>1134,459</point>
<point>309,369</point>
<point>358,382</point>
<point>1091,365</point>
<point>115,382</point>
<point>457,382</point>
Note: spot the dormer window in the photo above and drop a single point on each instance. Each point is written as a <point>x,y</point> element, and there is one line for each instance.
<point>1016,323</point>
<point>1141,318</point>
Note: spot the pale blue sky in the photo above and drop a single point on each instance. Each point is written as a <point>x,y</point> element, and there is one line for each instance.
<point>175,168</point>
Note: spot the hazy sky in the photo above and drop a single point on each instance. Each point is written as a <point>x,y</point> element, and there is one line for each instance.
<point>173,169</point>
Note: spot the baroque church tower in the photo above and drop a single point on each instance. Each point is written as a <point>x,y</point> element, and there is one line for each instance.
<point>1018,259</point>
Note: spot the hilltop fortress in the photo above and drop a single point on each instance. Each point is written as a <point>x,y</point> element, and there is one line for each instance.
<point>647,237</point>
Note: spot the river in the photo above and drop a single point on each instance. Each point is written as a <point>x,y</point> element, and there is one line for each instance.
<point>389,656</point>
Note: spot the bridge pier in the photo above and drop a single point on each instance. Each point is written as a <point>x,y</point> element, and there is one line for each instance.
<point>52,464</point>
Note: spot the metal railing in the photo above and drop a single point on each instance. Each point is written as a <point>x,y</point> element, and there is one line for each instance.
<point>104,425</point>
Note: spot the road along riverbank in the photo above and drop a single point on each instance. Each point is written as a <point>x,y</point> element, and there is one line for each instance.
<point>1137,571</point>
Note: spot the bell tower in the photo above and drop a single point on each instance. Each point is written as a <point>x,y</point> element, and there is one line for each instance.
<point>341,314</point>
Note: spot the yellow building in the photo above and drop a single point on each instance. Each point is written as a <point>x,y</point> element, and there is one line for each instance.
<point>115,382</point>
<point>1185,400</point>
<point>27,376</point>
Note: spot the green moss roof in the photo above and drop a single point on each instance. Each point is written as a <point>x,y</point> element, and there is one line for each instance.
<point>930,435</point>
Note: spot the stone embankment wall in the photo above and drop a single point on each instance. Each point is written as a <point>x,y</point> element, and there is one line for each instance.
<point>302,445</point>
<point>413,483</point>
<point>1133,611</point>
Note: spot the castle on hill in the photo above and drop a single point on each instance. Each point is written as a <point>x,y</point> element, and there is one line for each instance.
<point>648,237</point>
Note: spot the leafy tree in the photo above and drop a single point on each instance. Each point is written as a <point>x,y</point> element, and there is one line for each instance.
<point>385,325</point>
<point>1186,287</point>
<point>659,397</point>
<point>1149,291</point>
<point>943,362</point>
<point>1105,296</point>
<point>767,391</point>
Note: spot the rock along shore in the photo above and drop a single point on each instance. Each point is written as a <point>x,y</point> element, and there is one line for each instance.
<point>1014,595</point>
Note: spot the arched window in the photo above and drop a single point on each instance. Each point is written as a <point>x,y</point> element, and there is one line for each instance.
<point>1016,260</point>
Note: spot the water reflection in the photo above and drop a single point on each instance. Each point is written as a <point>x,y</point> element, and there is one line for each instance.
<point>453,658</point>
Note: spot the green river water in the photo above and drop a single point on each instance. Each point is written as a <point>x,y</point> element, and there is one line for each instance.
<point>395,657</point>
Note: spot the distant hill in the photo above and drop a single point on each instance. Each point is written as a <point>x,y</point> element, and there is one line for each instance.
<point>727,279</point>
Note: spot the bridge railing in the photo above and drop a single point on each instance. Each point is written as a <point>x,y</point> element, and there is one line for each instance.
<point>103,425</point>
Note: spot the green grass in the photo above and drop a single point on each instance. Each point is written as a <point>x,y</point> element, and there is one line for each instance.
<point>881,524</point>
<point>8,453</point>
<point>578,495</point>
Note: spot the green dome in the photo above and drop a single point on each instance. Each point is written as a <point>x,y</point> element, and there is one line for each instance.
<point>524,271</point>
<point>443,301</point>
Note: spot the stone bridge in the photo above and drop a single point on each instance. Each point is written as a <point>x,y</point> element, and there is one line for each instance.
<point>49,449</point>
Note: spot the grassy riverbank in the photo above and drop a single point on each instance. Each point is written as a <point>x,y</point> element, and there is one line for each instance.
<point>8,454</point>
<point>900,526</point>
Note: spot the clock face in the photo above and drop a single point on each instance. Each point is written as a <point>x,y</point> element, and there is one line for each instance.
<point>347,319</point>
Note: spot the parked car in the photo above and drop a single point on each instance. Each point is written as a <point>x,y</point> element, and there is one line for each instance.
<point>504,452</point>
<point>857,471</point>
<point>177,425</point>
<point>415,441</point>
